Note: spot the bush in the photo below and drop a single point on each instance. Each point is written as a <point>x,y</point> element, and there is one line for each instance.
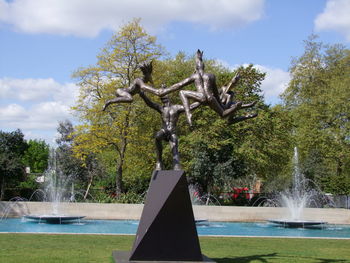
<point>130,198</point>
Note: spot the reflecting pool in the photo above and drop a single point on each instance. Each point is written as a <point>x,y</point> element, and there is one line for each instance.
<point>205,229</point>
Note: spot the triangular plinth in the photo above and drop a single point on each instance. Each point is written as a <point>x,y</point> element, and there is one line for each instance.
<point>167,230</point>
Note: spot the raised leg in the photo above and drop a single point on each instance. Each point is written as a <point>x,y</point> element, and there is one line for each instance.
<point>185,95</point>
<point>248,105</point>
<point>235,107</point>
<point>122,97</point>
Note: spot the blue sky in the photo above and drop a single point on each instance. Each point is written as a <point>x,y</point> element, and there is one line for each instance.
<point>43,41</point>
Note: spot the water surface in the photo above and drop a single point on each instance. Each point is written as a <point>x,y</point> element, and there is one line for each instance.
<point>207,229</point>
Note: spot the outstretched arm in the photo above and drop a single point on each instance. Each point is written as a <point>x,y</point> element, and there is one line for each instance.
<point>165,91</point>
<point>150,103</point>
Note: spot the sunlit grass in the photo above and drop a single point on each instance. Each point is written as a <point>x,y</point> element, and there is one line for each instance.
<point>98,248</point>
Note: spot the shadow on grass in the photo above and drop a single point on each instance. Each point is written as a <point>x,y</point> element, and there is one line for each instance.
<point>261,258</point>
<point>266,257</point>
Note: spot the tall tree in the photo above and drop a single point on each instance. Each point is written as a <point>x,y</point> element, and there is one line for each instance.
<point>318,96</point>
<point>12,148</point>
<point>117,67</point>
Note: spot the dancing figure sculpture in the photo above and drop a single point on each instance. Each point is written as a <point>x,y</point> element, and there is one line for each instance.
<point>207,92</point>
<point>170,115</point>
<point>221,101</point>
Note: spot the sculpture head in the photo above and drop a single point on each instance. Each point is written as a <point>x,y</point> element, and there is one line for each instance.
<point>199,61</point>
<point>165,99</point>
<point>146,68</point>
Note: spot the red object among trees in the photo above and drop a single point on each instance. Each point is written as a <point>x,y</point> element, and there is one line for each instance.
<point>237,191</point>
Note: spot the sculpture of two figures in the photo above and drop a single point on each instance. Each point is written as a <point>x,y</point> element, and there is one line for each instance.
<point>207,93</point>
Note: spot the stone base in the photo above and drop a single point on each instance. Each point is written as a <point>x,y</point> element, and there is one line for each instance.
<point>123,257</point>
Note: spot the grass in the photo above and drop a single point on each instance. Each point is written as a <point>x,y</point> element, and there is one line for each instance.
<point>98,248</point>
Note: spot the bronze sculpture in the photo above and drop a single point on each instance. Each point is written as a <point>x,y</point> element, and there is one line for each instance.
<point>220,100</point>
<point>207,92</point>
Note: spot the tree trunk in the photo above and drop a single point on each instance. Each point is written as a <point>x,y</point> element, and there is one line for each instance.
<point>118,179</point>
<point>119,176</point>
<point>88,188</point>
<point>339,167</point>
<point>2,190</point>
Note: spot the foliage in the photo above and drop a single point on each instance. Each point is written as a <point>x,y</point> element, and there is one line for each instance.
<point>318,97</point>
<point>29,183</point>
<point>103,197</point>
<point>114,129</point>
<point>12,148</point>
<point>267,147</point>
<point>82,171</point>
<point>130,198</point>
<point>68,164</point>
<point>36,156</point>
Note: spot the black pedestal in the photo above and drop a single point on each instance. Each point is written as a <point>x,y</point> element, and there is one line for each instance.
<point>123,257</point>
<point>167,230</point>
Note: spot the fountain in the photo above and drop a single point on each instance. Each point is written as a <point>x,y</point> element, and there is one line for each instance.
<point>201,199</point>
<point>56,191</point>
<point>198,199</point>
<point>295,199</point>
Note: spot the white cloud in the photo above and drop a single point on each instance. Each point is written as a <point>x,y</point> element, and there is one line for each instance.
<point>37,90</point>
<point>335,17</point>
<point>275,82</point>
<point>42,116</point>
<point>89,17</point>
<point>35,105</point>
<point>12,112</point>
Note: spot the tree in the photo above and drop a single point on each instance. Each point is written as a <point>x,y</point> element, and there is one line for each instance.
<point>65,160</point>
<point>117,66</point>
<point>79,171</point>
<point>318,97</point>
<point>12,148</point>
<point>36,156</point>
<point>266,146</point>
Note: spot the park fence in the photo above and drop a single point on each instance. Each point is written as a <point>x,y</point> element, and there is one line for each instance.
<point>341,201</point>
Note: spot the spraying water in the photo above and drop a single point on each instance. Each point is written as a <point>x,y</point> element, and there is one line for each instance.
<point>300,195</point>
<point>56,184</point>
<point>303,193</point>
<point>58,188</point>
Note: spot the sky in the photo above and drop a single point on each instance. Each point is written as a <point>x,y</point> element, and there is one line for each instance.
<point>42,42</point>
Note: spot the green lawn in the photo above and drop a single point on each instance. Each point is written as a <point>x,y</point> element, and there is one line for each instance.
<point>98,248</point>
